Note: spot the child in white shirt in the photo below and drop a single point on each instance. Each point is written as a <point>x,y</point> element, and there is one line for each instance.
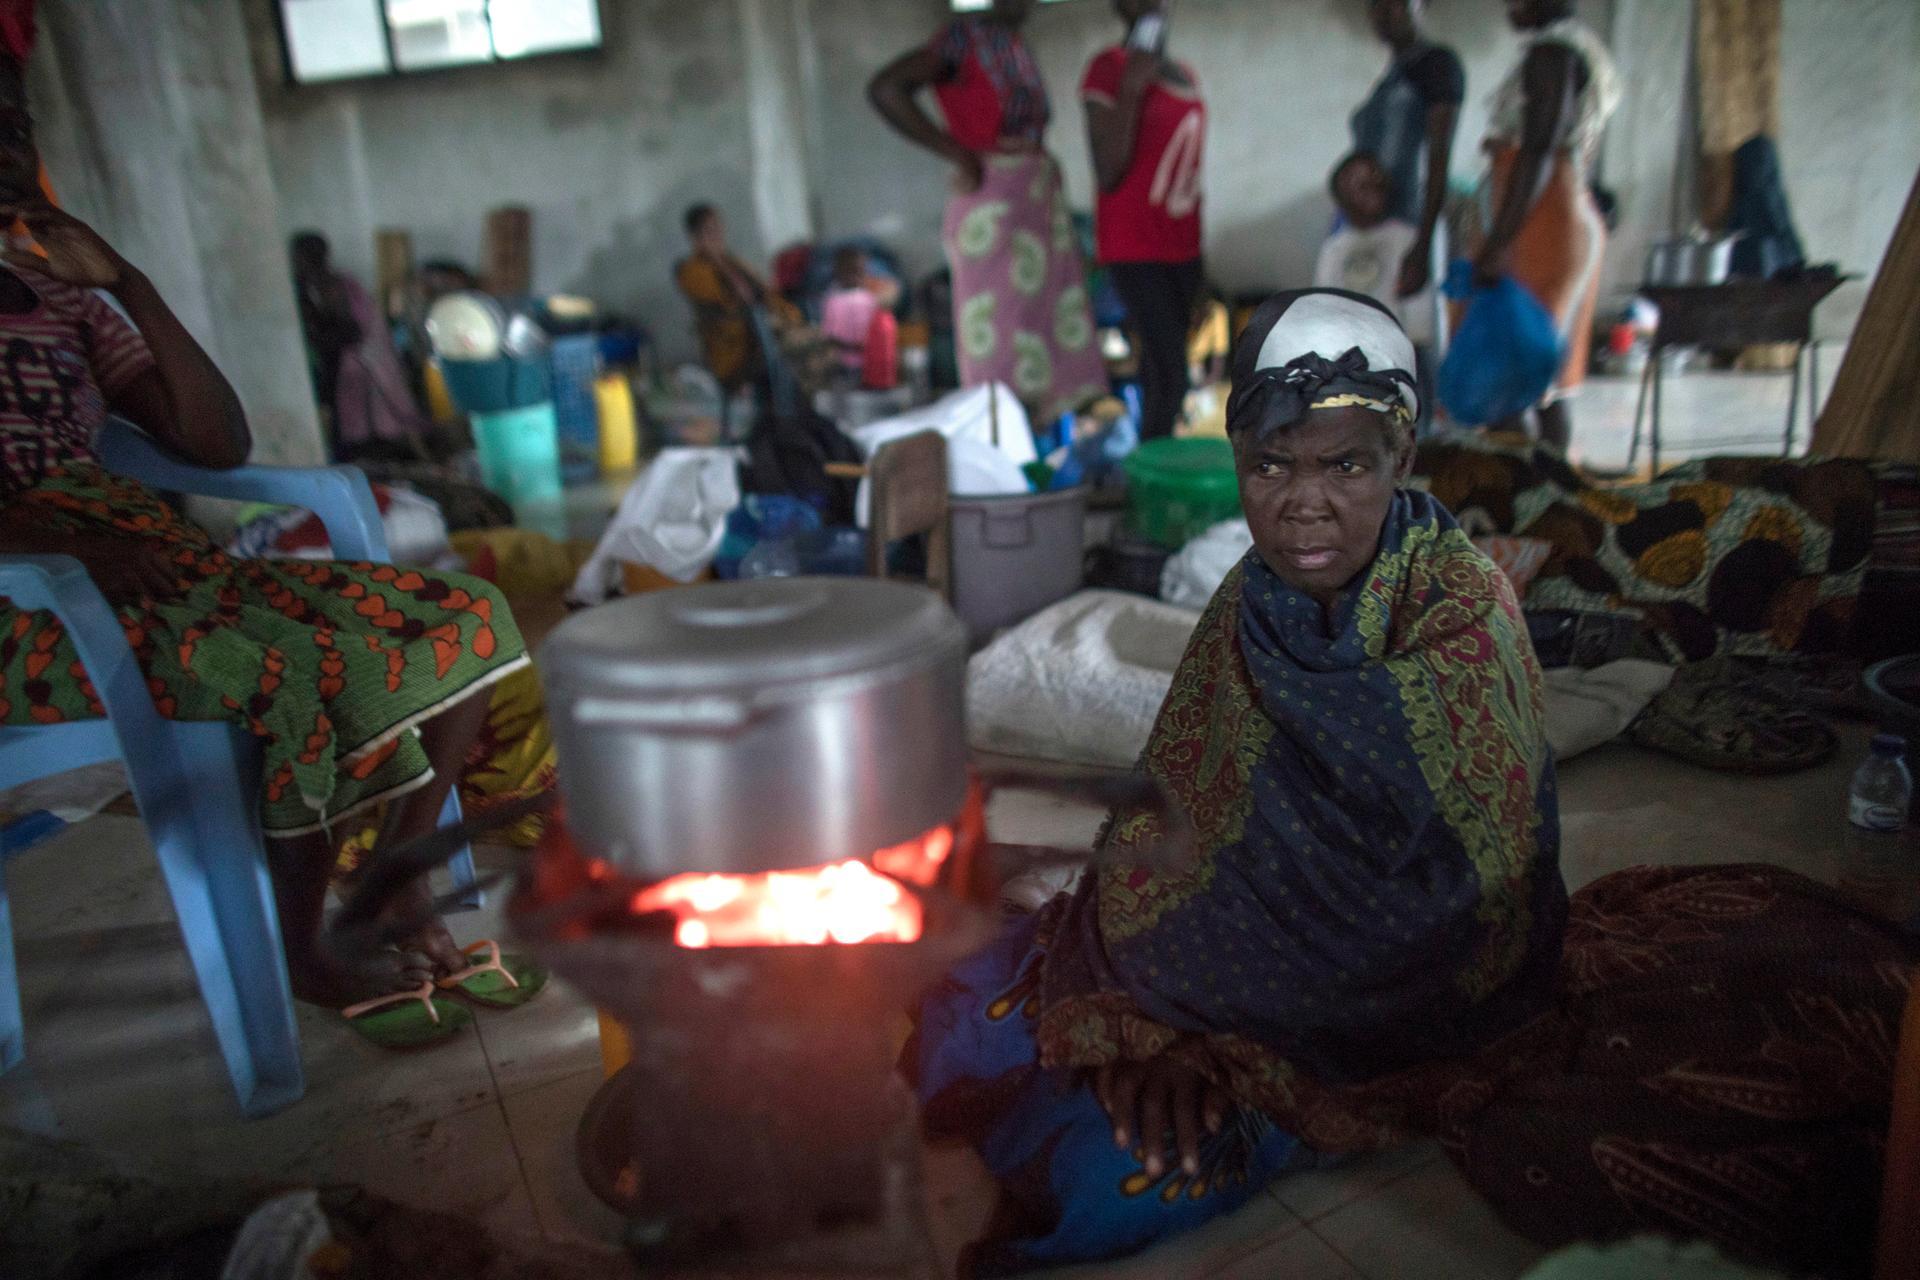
<point>1364,254</point>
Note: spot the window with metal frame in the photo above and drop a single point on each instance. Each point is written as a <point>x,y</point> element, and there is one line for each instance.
<point>329,40</point>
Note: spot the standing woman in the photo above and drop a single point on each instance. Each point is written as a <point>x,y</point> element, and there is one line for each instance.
<point>1547,233</point>
<point>1148,126</point>
<point>1019,289</point>
<point>1407,124</point>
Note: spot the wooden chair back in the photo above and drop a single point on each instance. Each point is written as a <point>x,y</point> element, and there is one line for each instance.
<point>908,495</point>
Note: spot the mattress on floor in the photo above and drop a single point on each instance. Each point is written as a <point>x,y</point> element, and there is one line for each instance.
<point>1081,682</point>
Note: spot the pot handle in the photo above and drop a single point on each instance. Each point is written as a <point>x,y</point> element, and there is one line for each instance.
<point>1178,845</point>
<point>684,715</point>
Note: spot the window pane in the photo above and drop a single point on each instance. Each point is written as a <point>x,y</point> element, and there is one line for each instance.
<point>438,33</point>
<point>525,27</point>
<point>332,39</point>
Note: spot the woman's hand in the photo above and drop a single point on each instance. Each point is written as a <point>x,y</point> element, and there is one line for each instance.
<point>76,254</point>
<point>1144,1099</point>
<point>969,171</point>
<point>127,570</point>
<point>1492,265</point>
<point>1416,269</point>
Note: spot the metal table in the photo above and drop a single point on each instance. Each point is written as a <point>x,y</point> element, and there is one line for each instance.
<point>1742,313</point>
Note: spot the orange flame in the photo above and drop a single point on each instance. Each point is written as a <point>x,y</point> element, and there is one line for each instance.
<point>844,902</point>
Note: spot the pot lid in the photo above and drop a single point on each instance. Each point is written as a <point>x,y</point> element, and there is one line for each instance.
<point>739,636</point>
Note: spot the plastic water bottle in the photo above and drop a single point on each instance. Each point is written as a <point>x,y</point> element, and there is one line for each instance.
<point>1877,806</point>
<point>771,558</point>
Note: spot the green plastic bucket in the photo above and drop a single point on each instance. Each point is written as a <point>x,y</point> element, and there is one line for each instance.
<point>1179,488</point>
<point>519,452</point>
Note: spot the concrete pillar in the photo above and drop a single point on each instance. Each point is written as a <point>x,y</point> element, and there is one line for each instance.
<point>150,127</point>
<point>776,118</point>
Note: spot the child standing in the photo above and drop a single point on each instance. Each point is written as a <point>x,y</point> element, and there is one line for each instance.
<point>1364,253</point>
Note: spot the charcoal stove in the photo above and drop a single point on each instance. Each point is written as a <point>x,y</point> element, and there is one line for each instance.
<point>769,845</point>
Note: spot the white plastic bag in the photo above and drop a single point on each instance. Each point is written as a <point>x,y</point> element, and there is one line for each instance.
<point>672,519</point>
<point>988,440</point>
<point>1193,573</point>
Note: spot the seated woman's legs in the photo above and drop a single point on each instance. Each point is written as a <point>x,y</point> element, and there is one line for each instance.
<point>339,970</point>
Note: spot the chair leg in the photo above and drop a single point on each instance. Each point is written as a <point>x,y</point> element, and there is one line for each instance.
<point>13,1032</point>
<point>465,878</point>
<point>1640,412</point>
<point>1793,403</point>
<point>206,832</point>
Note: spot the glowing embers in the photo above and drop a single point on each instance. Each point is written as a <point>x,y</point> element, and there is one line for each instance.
<point>845,902</point>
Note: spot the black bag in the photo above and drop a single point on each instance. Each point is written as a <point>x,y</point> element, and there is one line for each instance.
<point>788,454</point>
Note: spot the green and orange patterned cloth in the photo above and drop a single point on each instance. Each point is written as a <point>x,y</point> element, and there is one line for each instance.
<point>330,664</point>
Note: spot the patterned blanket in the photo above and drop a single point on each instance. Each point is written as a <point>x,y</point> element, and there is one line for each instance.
<point>1743,556</point>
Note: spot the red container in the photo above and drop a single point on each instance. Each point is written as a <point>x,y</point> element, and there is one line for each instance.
<point>880,362</point>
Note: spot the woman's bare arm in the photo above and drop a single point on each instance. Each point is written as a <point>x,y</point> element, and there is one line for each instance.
<point>1442,120</point>
<point>894,94</point>
<point>184,401</point>
<point>1547,80</point>
<point>1113,128</point>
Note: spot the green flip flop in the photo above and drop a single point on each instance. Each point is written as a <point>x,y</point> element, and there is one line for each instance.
<point>408,1019</point>
<point>501,981</point>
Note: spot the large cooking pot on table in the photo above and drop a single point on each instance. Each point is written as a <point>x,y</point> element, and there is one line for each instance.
<point>756,726</point>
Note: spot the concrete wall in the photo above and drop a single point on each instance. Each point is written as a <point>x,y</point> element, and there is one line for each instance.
<point>149,123</point>
<point>759,105</point>
<point>606,148</point>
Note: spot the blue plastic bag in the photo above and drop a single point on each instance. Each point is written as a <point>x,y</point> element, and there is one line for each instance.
<point>1503,357</point>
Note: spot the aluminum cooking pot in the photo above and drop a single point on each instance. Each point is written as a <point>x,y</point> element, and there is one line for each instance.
<point>1691,260</point>
<point>757,726</point>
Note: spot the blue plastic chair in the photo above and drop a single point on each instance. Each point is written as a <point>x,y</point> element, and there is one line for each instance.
<point>197,783</point>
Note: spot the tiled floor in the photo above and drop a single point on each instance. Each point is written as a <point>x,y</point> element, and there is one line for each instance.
<point>1703,410</point>
<point>121,1062</point>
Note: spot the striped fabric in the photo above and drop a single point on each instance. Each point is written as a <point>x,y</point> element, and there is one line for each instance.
<point>60,363</point>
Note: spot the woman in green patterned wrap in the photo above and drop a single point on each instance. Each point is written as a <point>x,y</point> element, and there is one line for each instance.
<point>363,682</point>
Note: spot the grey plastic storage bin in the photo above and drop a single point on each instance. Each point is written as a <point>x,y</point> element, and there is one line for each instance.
<point>1014,555</point>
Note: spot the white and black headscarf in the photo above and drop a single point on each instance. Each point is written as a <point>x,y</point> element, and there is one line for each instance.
<point>1320,349</point>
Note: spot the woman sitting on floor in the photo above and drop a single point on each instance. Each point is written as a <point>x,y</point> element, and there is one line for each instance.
<point>1374,942</point>
<point>365,683</point>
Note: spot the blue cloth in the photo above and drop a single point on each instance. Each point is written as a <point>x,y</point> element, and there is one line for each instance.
<point>1042,1132</point>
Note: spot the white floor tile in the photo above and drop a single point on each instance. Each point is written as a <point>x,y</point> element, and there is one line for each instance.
<point>1301,1256</point>
<point>1260,1225</point>
<point>544,1121</point>
<point>960,1199</point>
<point>461,1164</point>
<point>1429,1223</point>
<point>1314,1195</point>
<point>554,1037</point>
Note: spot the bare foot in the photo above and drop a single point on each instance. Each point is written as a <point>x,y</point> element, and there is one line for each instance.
<point>432,939</point>
<point>336,971</point>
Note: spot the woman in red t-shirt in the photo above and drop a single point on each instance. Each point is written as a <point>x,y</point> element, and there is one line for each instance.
<point>1148,127</point>
<point>1020,303</point>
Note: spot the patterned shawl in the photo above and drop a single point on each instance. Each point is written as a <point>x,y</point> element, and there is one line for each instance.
<point>1379,895</point>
